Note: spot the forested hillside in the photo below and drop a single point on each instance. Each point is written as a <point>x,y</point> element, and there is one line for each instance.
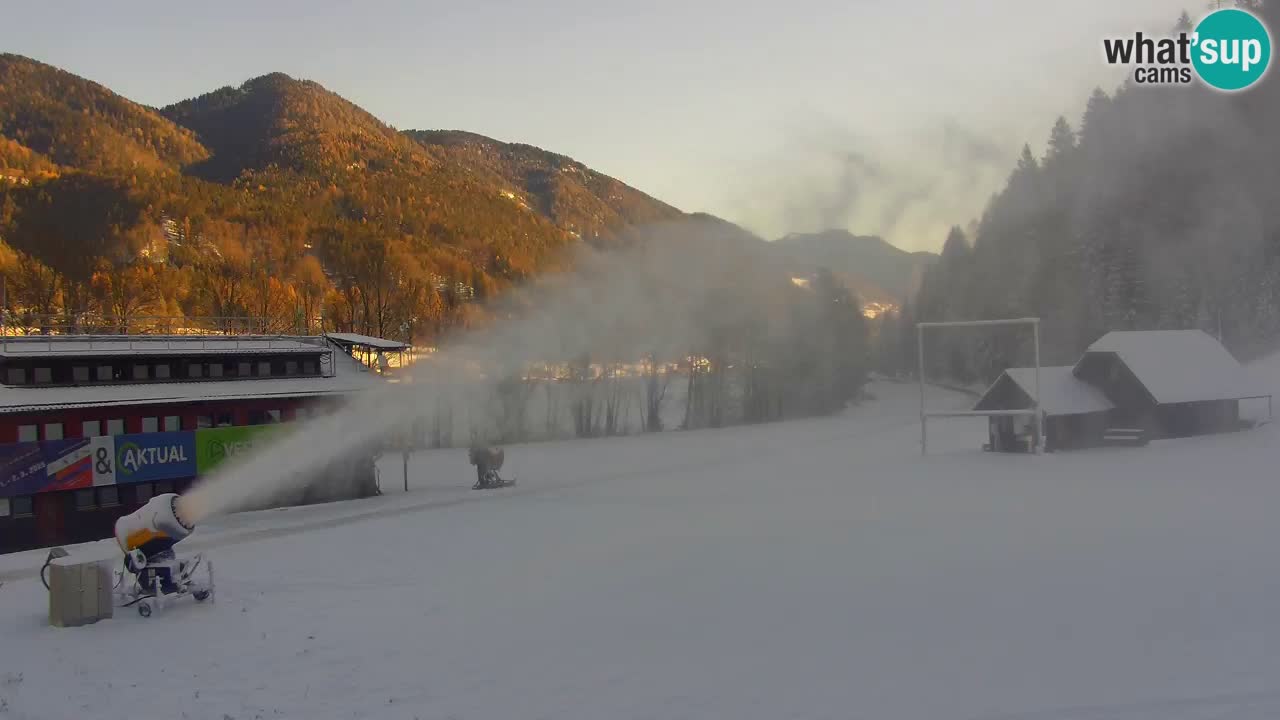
<point>1159,208</point>
<point>276,200</point>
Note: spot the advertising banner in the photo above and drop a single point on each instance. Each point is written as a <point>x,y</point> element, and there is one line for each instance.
<point>145,457</point>
<point>216,445</point>
<point>69,464</point>
<point>103,450</point>
<point>22,469</point>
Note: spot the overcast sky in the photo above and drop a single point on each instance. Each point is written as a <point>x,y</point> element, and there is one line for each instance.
<point>879,116</point>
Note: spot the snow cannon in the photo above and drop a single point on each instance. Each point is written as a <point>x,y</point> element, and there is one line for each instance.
<point>154,527</point>
<point>147,537</point>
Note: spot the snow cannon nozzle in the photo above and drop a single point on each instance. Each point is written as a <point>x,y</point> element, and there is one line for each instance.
<point>154,527</point>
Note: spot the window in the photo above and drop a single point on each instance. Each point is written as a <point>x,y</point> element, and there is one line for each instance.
<point>108,496</point>
<point>150,424</point>
<point>16,376</point>
<point>44,375</point>
<point>172,423</point>
<point>22,507</point>
<point>215,370</point>
<point>106,373</point>
<point>142,493</point>
<point>164,487</point>
<point>195,370</point>
<point>264,417</point>
<point>91,428</point>
<point>115,426</point>
<point>308,367</point>
<point>203,421</point>
<point>224,420</point>
<point>85,499</point>
<point>53,431</point>
<point>80,374</point>
<point>28,433</point>
<point>140,372</point>
<point>246,369</point>
<point>291,367</point>
<point>4,507</point>
<point>162,371</point>
<point>264,369</point>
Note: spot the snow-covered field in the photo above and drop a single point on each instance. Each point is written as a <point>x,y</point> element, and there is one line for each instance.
<point>810,569</point>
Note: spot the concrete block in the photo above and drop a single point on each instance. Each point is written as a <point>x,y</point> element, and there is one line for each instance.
<point>79,592</point>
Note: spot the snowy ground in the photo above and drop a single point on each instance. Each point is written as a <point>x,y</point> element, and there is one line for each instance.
<point>811,569</point>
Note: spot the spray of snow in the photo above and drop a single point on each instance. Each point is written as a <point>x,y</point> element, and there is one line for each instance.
<point>620,304</point>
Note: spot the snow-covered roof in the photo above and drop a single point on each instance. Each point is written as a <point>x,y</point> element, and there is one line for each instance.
<point>1061,392</point>
<point>367,341</point>
<point>348,376</point>
<point>1178,366</point>
<point>107,345</point>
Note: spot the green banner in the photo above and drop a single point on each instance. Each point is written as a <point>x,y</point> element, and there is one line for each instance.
<point>216,445</point>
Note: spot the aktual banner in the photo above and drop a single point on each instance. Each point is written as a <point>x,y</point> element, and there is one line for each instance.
<point>216,445</point>
<point>154,456</point>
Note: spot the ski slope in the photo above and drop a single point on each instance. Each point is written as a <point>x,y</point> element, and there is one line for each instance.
<point>809,569</point>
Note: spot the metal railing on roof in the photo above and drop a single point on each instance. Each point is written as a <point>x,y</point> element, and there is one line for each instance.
<point>127,333</point>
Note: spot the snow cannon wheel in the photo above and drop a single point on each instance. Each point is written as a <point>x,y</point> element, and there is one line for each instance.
<point>201,595</point>
<point>144,609</point>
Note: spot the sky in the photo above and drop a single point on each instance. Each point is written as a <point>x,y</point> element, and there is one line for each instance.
<point>880,117</point>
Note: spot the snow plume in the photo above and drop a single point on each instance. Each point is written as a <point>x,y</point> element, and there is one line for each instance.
<point>615,305</point>
<point>909,193</point>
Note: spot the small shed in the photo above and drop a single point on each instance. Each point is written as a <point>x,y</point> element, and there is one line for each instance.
<point>1075,412</point>
<point>1170,383</point>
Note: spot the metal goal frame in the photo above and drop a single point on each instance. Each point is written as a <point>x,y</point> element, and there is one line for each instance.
<point>926,413</point>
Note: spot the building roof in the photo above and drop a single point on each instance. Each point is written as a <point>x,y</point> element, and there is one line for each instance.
<point>366,341</point>
<point>348,375</point>
<point>1062,393</point>
<point>109,345</point>
<point>1178,366</point>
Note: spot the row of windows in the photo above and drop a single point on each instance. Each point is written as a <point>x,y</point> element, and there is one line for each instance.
<point>18,507</point>
<point>114,495</point>
<point>83,374</point>
<point>168,423</point>
<point>91,498</point>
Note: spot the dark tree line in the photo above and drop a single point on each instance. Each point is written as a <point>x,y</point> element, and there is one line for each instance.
<point>1159,209</point>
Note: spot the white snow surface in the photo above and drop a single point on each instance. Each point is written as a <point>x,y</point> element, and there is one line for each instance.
<point>1179,366</point>
<point>808,569</point>
<point>1061,393</point>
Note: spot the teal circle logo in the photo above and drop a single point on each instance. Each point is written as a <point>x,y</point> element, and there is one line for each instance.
<point>1232,49</point>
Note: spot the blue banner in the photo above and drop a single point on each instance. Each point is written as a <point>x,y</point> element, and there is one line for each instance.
<point>155,456</point>
<point>22,469</point>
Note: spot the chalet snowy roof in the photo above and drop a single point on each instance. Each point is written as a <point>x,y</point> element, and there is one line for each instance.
<point>109,345</point>
<point>1062,393</point>
<point>1178,366</point>
<point>348,376</point>
<point>366,341</point>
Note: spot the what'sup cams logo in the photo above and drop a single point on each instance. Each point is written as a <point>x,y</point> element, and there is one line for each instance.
<point>1229,50</point>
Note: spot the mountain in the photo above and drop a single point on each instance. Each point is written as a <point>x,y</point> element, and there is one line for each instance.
<point>879,272</point>
<point>50,118</point>
<point>277,197</point>
<point>586,203</point>
<point>283,200</point>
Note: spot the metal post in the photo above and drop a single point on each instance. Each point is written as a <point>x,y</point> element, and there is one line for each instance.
<point>924,437</point>
<point>1039,415</point>
<point>405,453</point>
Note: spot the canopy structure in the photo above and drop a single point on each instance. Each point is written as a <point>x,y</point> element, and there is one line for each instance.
<point>372,351</point>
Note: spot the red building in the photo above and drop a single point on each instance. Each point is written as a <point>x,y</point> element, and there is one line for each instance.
<point>72,407</point>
